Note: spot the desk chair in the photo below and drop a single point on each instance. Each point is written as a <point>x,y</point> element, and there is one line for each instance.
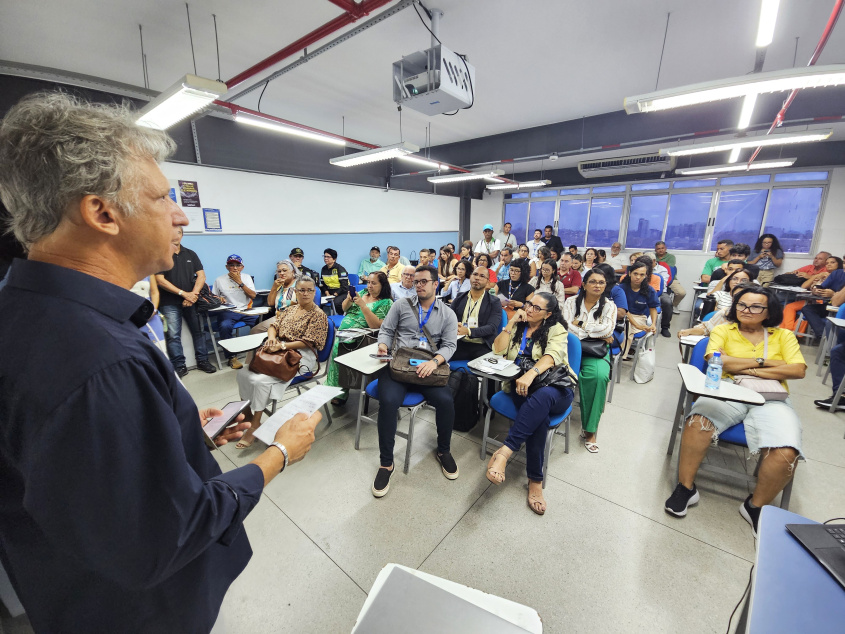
<point>827,342</point>
<point>354,279</point>
<point>503,404</point>
<point>336,319</point>
<point>454,365</point>
<point>732,436</point>
<point>300,381</point>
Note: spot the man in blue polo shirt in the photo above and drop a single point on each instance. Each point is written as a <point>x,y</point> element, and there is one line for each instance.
<point>816,314</point>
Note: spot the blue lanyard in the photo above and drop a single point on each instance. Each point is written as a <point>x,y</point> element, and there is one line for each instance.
<point>522,346</point>
<point>511,289</point>
<point>422,321</point>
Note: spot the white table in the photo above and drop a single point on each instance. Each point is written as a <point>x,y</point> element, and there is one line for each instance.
<point>693,386</point>
<point>832,309</point>
<point>263,310</point>
<point>687,343</point>
<point>361,361</point>
<point>485,375</point>
<point>236,345</point>
<point>697,288</point>
<point>423,612</point>
<point>830,337</point>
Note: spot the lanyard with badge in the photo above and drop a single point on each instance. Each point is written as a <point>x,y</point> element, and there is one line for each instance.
<point>422,322</point>
<point>472,320</point>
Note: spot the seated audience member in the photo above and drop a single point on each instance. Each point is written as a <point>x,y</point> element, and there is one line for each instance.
<point>483,260</point>
<point>722,291</point>
<point>425,322</point>
<point>767,256</point>
<point>722,256</point>
<point>535,334</point>
<point>543,254</point>
<point>445,267</point>
<point>816,314</point>
<point>837,361</point>
<point>371,265</point>
<point>591,315</point>
<point>283,292</point>
<point>547,281</point>
<point>461,282</point>
<point>738,251</point>
<point>661,277</point>
<point>601,256</point>
<point>720,316</point>
<point>535,244</point>
<point>154,328</point>
<point>831,264</point>
<point>454,250</point>
<point>238,289</point>
<point>590,257</point>
<point>676,288</point>
<point>501,269</point>
<point>426,257</point>
<point>466,253</point>
<point>818,266</point>
<point>613,291</point>
<point>516,289</point>
<point>555,255</point>
<point>301,327</point>
<point>618,260</point>
<point>365,309</point>
<point>551,241</point>
<point>573,250</point>
<point>296,256</point>
<point>393,268</point>
<point>479,318</point>
<point>569,277</point>
<point>522,252</point>
<point>729,267</point>
<point>506,238</point>
<point>642,301</point>
<point>405,288</point>
<point>751,345</point>
<point>488,244</point>
<point>334,279</point>
<point>578,263</point>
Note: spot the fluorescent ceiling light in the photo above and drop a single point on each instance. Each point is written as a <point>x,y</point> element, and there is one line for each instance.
<point>747,111</point>
<point>746,142</point>
<point>525,185</point>
<point>735,167</point>
<point>187,96</point>
<point>377,154</point>
<point>425,162</point>
<point>734,157</point>
<point>756,83</point>
<point>468,176</point>
<point>768,17</point>
<point>275,126</point>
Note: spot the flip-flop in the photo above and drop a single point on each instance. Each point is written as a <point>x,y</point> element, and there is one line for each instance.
<point>533,499</point>
<point>592,447</point>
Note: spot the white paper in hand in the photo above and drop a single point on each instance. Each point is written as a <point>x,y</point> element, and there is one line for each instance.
<point>306,403</point>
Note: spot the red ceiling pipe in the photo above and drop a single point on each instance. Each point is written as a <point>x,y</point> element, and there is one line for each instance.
<point>348,5</point>
<point>316,35</point>
<point>828,29</point>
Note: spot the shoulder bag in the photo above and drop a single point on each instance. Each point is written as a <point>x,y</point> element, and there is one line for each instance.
<point>769,389</point>
<point>280,364</point>
<point>206,300</point>
<point>594,348</point>
<point>403,371</point>
<point>557,376</point>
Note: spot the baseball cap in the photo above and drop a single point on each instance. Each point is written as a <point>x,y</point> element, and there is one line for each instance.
<point>375,249</point>
<point>235,258</point>
<point>297,251</point>
<point>488,228</point>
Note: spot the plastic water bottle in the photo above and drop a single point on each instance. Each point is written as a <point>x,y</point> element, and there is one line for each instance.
<point>714,372</point>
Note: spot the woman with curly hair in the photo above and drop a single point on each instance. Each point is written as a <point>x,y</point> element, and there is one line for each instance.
<point>766,256</point>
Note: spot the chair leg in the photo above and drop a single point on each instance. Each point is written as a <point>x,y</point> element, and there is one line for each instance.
<point>328,414</point>
<point>787,493</point>
<point>366,403</point>
<point>410,439</point>
<point>550,438</point>
<point>566,441</point>
<point>485,433</point>
<point>836,397</point>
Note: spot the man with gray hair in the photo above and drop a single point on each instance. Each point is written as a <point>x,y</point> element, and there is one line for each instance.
<point>405,287</point>
<point>114,517</point>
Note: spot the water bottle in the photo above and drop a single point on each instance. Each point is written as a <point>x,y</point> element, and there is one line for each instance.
<point>714,372</point>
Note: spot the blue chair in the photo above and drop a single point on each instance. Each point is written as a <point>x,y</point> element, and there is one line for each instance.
<point>708,315</point>
<point>454,365</point>
<point>298,382</point>
<point>336,319</point>
<point>827,342</point>
<point>502,403</point>
<point>353,279</point>
<point>732,436</point>
<point>414,401</point>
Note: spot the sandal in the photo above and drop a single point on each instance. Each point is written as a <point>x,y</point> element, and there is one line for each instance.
<point>495,476</point>
<point>245,443</point>
<point>592,447</point>
<point>535,502</point>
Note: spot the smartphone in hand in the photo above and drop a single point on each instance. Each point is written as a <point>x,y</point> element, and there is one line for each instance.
<point>214,427</point>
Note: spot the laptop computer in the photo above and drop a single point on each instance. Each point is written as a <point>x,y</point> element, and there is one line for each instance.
<point>826,542</point>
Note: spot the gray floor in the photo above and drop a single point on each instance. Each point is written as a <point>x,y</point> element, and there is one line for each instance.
<point>605,557</point>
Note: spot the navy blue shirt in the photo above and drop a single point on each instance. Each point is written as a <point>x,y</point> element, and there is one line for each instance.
<point>638,304</point>
<point>114,517</point>
<point>835,281</point>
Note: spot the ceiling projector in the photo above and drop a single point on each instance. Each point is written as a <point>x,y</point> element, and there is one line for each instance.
<point>433,81</point>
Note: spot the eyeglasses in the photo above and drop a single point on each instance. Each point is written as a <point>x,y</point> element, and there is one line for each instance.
<point>305,290</point>
<point>754,309</point>
<point>407,275</point>
<point>532,306</point>
<point>597,282</point>
<point>421,282</point>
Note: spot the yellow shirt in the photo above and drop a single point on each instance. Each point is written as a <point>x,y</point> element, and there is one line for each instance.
<point>729,340</point>
<point>394,275</point>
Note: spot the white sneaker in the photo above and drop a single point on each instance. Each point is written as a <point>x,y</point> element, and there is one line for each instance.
<point>676,311</point>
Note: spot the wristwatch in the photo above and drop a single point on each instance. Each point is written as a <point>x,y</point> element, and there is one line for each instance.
<point>284,451</point>
<point>180,293</point>
<point>240,285</point>
<point>760,361</point>
<point>536,370</point>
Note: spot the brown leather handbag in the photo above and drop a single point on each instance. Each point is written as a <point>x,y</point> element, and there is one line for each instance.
<point>282,364</point>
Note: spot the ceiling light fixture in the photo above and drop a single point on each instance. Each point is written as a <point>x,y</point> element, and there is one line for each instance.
<point>768,17</point>
<point>734,157</point>
<point>757,83</point>
<point>468,176</point>
<point>184,98</point>
<point>269,124</point>
<point>747,111</point>
<point>746,142</point>
<point>525,185</point>
<point>425,162</point>
<point>378,154</point>
<point>741,167</point>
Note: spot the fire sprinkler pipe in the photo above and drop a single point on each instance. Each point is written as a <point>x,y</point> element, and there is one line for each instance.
<point>828,29</point>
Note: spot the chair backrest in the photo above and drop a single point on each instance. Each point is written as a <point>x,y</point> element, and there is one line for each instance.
<point>697,357</point>
<point>662,285</point>
<point>318,296</point>
<point>573,352</point>
<point>840,314</point>
<point>504,320</point>
<point>354,279</point>
<point>324,352</point>
<point>708,315</point>
<point>674,271</point>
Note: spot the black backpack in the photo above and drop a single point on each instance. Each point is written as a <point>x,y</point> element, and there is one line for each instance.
<point>206,300</point>
<point>464,386</point>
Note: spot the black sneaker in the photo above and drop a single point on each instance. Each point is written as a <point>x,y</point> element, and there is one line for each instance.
<point>825,403</point>
<point>750,514</point>
<point>206,367</point>
<point>448,465</point>
<point>382,482</point>
<point>181,371</point>
<point>681,499</point>
<point>665,332</point>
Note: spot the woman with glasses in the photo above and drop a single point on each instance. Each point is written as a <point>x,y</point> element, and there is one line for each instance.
<point>536,333</point>
<point>516,289</point>
<point>283,292</point>
<point>592,316</point>
<point>463,269</point>
<point>301,327</point>
<point>791,310</point>
<point>719,316</point>
<point>548,281</point>
<point>751,345</point>
<point>722,292</point>
<point>483,260</point>
<point>522,252</point>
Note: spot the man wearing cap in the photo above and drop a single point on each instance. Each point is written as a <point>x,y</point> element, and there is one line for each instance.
<point>487,244</point>
<point>334,280</point>
<point>237,289</point>
<point>393,268</point>
<point>371,265</point>
<point>296,256</point>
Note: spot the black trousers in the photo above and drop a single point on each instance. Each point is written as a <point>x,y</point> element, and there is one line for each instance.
<point>468,351</point>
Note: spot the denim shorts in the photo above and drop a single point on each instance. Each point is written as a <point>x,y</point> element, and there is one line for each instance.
<point>773,424</point>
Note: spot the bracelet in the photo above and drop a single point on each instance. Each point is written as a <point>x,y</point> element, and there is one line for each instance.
<point>284,451</point>
<point>507,331</point>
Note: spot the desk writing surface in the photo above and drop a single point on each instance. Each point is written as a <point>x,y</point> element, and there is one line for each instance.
<point>837,321</point>
<point>791,591</point>
<point>242,344</point>
<point>361,360</point>
<point>832,309</point>
<point>694,383</point>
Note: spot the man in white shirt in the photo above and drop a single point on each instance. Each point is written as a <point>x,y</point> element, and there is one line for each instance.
<point>535,244</point>
<point>506,238</point>
<point>237,289</point>
<point>617,260</point>
<point>404,288</point>
<point>487,244</point>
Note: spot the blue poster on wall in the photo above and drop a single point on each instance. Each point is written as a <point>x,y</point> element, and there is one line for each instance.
<point>212,219</point>
<point>173,195</point>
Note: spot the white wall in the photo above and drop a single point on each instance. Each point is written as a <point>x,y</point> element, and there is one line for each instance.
<point>488,210</point>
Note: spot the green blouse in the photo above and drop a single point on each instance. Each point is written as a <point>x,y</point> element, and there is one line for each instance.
<point>354,317</point>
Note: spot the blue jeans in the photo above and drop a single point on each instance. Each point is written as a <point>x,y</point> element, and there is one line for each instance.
<point>228,319</point>
<point>532,424</point>
<point>816,316</point>
<point>837,365</point>
<point>173,316</point>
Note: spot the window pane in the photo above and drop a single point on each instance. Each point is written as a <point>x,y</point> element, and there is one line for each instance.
<point>572,222</point>
<point>706,182</point>
<point>580,191</point>
<point>641,187</point>
<point>520,195</point>
<point>610,189</point>
<point>645,225</point>
<point>540,215</point>
<point>687,222</point>
<point>517,215</point>
<point>746,180</point>
<point>544,194</point>
<point>792,217</point>
<point>800,176</point>
<point>739,216</point>
<point>605,217</point>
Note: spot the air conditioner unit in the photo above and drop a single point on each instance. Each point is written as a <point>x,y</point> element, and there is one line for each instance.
<point>625,165</point>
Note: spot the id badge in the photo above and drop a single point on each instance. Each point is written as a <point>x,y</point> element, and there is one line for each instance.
<point>472,322</point>
<point>423,343</point>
